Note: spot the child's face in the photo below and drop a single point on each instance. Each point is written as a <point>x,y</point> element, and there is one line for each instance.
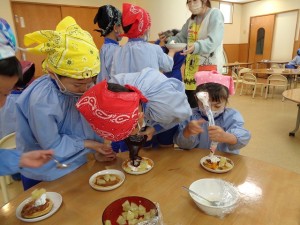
<point>215,106</point>
<point>78,86</point>
<point>6,86</point>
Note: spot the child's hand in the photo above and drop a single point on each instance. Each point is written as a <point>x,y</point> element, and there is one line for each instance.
<point>190,49</point>
<point>104,149</point>
<point>149,132</point>
<point>193,128</point>
<point>162,37</point>
<point>217,134</point>
<point>105,158</point>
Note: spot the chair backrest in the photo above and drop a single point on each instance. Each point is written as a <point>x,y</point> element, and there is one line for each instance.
<point>277,79</point>
<point>234,75</point>
<point>243,70</point>
<point>249,78</point>
<point>8,142</point>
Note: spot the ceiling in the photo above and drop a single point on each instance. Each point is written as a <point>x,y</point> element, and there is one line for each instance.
<point>239,1</point>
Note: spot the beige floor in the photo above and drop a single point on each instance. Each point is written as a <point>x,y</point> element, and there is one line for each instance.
<point>269,121</point>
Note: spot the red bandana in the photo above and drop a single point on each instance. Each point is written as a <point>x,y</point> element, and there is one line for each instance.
<point>138,17</point>
<point>112,115</point>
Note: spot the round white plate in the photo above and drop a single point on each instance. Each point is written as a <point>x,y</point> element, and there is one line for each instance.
<point>202,160</point>
<point>126,165</point>
<point>103,172</point>
<point>177,46</point>
<point>53,196</point>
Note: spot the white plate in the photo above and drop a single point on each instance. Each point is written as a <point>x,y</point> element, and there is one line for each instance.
<point>53,196</point>
<point>202,160</point>
<point>177,46</point>
<point>103,172</point>
<point>126,165</point>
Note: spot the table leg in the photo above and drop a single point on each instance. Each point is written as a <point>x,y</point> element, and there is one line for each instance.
<point>292,133</point>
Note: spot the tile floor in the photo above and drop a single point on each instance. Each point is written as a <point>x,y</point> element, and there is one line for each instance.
<point>269,120</point>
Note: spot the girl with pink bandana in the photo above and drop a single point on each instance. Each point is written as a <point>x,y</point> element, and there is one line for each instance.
<point>229,129</point>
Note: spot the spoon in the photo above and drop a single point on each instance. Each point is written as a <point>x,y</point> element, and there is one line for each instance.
<point>212,203</point>
<point>60,165</point>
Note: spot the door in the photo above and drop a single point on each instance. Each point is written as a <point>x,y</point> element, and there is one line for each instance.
<point>32,17</point>
<point>261,38</point>
<point>84,17</point>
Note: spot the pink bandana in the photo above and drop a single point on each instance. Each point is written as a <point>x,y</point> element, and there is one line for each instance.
<point>203,77</point>
<point>112,115</point>
<point>138,17</point>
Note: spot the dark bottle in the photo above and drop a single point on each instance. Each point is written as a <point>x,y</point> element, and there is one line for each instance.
<point>134,144</point>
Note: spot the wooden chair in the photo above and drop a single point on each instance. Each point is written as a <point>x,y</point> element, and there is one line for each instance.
<point>276,80</point>
<point>236,79</point>
<point>7,142</point>
<point>242,71</point>
<point>250,81</point>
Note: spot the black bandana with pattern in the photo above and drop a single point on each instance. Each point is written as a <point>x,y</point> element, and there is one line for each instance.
<point>106,18</point>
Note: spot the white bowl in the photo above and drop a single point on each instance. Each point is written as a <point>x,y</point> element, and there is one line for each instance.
<point>176,46</point>
<point>215,190</point>
<point>119,173</point>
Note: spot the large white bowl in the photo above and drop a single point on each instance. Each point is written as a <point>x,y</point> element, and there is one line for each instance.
<point>176,46</point>
<point>215,190</point>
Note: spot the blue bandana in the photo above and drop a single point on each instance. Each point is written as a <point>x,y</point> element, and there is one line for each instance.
<point>7,40</point>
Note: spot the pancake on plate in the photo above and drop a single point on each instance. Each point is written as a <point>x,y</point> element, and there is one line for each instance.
<point>38,206</point>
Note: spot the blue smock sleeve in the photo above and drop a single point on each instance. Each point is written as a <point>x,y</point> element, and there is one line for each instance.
<point>9,161</point>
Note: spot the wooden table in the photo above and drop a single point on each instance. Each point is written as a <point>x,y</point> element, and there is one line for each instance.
<point>268,63</point>
<point>269,194</point>
<point>291,74</point>
<point>234,66</point>
<point>294,95</point>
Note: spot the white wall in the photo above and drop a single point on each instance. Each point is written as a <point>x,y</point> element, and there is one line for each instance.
<point>262,8</point>
<point>283,41</point>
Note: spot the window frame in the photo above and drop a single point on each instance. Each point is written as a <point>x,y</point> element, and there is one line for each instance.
<point>230,13</point>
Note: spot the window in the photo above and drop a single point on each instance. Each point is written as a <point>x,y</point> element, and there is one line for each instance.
<point>227,10</point>
<point>260,40</point>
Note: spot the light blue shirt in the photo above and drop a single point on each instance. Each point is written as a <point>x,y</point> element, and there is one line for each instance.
<point>48,119</point>
<point>138,54</point>
<point>106,56</point>
<point>8,114</point>
<point>9,161</point>
<point>231,121</point>
<point>295,61</point>
<point>167,103</point>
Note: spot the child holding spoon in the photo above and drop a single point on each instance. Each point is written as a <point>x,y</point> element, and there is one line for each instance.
<point>228,130</point>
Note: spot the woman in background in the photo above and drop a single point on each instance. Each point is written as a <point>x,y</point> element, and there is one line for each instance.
<point>203,32</point>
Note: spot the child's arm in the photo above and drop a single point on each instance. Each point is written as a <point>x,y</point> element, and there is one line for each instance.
<point>187,135</point>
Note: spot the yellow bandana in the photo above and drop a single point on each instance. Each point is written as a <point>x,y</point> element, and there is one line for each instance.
<point>71,51</point>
